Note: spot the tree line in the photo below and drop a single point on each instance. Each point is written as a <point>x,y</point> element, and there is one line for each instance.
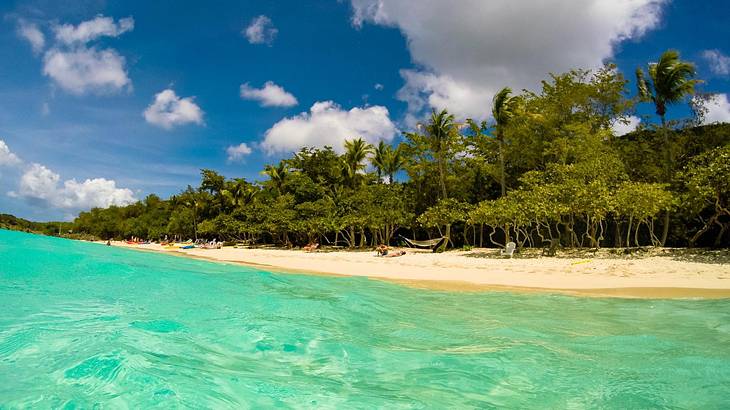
<point>546,169</point>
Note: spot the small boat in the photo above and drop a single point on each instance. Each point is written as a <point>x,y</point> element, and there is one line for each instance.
<point>187,247</point>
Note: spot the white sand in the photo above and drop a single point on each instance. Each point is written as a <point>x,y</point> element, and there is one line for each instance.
<point>651,276</point>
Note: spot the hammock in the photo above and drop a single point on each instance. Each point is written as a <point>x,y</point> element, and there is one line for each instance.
<point>429,244</point>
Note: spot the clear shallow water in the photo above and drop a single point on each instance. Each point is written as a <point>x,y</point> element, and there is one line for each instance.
<point>83,324</point>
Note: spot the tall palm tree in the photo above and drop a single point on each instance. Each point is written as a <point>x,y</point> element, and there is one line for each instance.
<point>191,199</point>
<point>356,151</point>
<point>504,107</point>
<point>671,82</point>
<point>379,158</point>
<point>439,132</point>
<point>394,162</point>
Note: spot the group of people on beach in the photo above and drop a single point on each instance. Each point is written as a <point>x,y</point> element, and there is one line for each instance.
<point>381,250</point>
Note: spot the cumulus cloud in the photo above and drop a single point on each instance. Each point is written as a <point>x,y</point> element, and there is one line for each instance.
<point>92,29</point>
<point>624,127</point>
<point>168,110</point>
<point>33,35</point>
<point>238,152</point>
<point>718,62</point>
<point>270,95</point>
<point>41,185</point>
<point>465,54</point>
<point>260,31</point>
<point>76,66</point>
<point>718,109</point>
<point>7,158</point>
<point>327,124</point>
<point>86,70</point>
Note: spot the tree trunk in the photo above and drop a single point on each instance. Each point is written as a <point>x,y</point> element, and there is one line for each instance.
<point>718,238</point>
<point>448,238</point>
<point>195,223</point>
<point>442,176</point>
<point>667,176</point>
<point>502,178</point>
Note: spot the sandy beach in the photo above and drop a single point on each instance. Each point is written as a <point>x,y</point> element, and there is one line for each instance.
<point>659,274</point>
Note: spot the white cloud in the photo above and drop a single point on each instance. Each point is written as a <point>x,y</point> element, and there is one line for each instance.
<point>327,124</point>
<point>238,152</point>
<point>42,185</point>
<point>32,34</point>
<point>378,86</point>
<point>86,70</point>
<point>7,158</point>
<point>169,110</point>
<point>92,29</point>
<point>270,95</point>
<point>424,90</point>
<point>75,66</point>
<point>719,63</point>
<point>260,31</point>
<point>466,53</point>
<point>718,109</point>
<point>622,128</point>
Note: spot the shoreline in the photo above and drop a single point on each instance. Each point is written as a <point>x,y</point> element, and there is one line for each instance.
<point>646,277</point>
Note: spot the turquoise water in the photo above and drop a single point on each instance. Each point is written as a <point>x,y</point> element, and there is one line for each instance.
<point>83,325</point>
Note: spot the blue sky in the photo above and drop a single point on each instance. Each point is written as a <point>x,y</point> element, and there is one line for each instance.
<point>72,109</point>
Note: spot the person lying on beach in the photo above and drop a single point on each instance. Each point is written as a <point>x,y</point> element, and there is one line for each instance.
<point>310,247</point>
<point>382,250</point>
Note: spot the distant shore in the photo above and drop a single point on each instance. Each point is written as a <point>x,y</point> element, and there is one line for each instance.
<point>657,274</point>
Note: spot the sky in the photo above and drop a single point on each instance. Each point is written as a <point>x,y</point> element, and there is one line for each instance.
<point>105,102</point>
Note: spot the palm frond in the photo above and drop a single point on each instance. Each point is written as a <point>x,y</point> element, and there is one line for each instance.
<point>503,106</point>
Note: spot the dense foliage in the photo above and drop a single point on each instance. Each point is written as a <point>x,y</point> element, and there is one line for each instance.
<point>46,228</point>
<point>547,168</point>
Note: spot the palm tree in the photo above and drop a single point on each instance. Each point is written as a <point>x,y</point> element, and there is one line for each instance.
<point>356,151</point>
<point>394,162</point>
<point>379,158</point>
<point>504,107</point>
<point>439,132</point>
<point>277,174</point>
<point>387,161</point>
<point>238,192</point>
<point>671,82</point>
<point>191,199</point>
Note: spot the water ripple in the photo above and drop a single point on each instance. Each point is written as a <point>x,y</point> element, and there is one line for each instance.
<point>88,326</point>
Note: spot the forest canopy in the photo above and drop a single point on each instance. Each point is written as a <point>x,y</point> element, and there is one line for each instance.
<point>547,167</point>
